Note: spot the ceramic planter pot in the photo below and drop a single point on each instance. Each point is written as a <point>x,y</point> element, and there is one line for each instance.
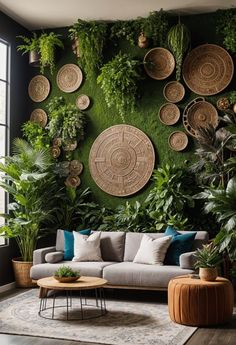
<point>34,58</point>
<point>208,274</point>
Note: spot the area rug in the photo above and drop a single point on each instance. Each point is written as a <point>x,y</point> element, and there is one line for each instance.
<point>127,322</point>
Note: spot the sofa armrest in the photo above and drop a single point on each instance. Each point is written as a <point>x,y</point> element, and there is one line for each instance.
<point>187,260</point>
<point>39,254</point>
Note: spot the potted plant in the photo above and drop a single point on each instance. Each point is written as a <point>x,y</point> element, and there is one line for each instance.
<point>31,46</point>
<point>89,37</point>
<point>208,258</point>
<point>66,122</point>
<point>118,80</point>
<point>30,181</point>
<point>47,45</point>
<point>41,49</point>
<point>65,274</point>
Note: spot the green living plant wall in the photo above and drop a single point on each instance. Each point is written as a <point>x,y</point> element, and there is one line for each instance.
<point>145,116</point>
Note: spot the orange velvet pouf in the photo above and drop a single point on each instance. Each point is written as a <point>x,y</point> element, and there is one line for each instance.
<point>194,302</point>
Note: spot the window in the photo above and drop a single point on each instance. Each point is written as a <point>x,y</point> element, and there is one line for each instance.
<point>4,108</point>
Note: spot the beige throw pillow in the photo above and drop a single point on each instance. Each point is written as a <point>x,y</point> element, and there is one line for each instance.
<point>87,248</point>
<point>152,251</point>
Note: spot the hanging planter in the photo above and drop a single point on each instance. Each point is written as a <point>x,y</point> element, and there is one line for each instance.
<point>34,58</point>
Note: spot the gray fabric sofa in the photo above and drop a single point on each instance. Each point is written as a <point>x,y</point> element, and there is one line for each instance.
<point>118,251</point>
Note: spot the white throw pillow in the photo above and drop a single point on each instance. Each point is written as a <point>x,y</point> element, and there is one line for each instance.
<point>152,251</point>
<point>87,248</point>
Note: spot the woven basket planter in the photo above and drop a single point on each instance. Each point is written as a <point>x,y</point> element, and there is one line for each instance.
<point>22,273</point>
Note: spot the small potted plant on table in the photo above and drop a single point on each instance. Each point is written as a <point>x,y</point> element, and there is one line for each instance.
<point>208,259</point>
<point>65,274</point>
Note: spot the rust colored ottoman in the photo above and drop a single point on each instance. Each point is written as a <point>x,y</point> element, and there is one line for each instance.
<point>194,302</point>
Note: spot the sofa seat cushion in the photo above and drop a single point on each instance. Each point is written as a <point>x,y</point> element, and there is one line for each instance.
<point>141,275</point>
<point>93,269</point>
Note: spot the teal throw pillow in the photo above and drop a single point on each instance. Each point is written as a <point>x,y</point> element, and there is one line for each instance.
<point>69,243</point>
<point>181,243</point>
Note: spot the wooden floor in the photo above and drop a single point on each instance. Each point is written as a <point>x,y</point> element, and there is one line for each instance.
<point>222,335</point>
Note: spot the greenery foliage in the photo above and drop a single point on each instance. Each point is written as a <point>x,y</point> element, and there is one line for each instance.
<point>47,45</point>
<point>78,211</point>
<point>118,80</point>
<point>226,26</point>
<point>92,37</point>
<point>168,202</point>
<point>155,27</point>
<point>66,271</point>
<point>179,40</point>
<point>215,148</point>
<point>66,121</point>
<point>29,179</point>
<point>208,256</point>
<point>36,135</point>
<point>30,44</point>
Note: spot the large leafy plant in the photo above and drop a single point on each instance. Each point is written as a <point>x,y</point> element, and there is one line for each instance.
<point>118,80</point>
<point>221,202</point>
<point>29,179</point>
<point>66,121</point>
<point>171,197</point>
<point>91,37</point>
<point>215,147</point>
<point>45,44</point>
<point>78,211</point>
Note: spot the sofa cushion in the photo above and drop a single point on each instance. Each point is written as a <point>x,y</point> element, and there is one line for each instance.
<point>133,240</point>
<point>93,269</point>
<point>69,242</point>
<point>112,244</point>
<point>181,243</point>
<point>132,243</point>
<point>87,248</point>
<point>141,275</point>
<point>54,257</point>
<point>152,251</point>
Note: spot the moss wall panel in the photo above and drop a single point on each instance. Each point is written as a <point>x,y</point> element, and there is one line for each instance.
<point>145,117</point>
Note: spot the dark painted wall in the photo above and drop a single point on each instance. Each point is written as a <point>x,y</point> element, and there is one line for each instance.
<point>19,75</point>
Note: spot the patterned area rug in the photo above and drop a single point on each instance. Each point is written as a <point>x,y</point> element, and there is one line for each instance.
<point>131,322</point>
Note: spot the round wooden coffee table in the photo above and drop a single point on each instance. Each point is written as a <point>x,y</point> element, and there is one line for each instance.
<point>86,308</point>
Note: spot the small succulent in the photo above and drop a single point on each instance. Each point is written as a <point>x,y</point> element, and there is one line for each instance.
<point>208,256</point>
<point>66,271</point>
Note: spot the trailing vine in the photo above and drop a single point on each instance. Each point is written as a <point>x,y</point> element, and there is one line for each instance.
<point>118,80</point>
<point>92,37</point>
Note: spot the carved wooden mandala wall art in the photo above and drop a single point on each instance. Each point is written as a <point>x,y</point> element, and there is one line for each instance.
<point>121,160</point>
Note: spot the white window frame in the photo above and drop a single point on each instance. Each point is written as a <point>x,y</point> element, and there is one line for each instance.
<point>6,123</point>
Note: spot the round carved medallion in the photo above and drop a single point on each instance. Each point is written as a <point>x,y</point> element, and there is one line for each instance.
<point>69,78</point>
<point>39,116</point>
<point>121,160</point>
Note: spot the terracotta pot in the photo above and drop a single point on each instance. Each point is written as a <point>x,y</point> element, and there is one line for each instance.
<point>22,272</point>
<point>208,274</point>
<point>34,58</point>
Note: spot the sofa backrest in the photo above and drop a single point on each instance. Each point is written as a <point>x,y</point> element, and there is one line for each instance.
<point>112,244</point>
<point>133,240</point>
